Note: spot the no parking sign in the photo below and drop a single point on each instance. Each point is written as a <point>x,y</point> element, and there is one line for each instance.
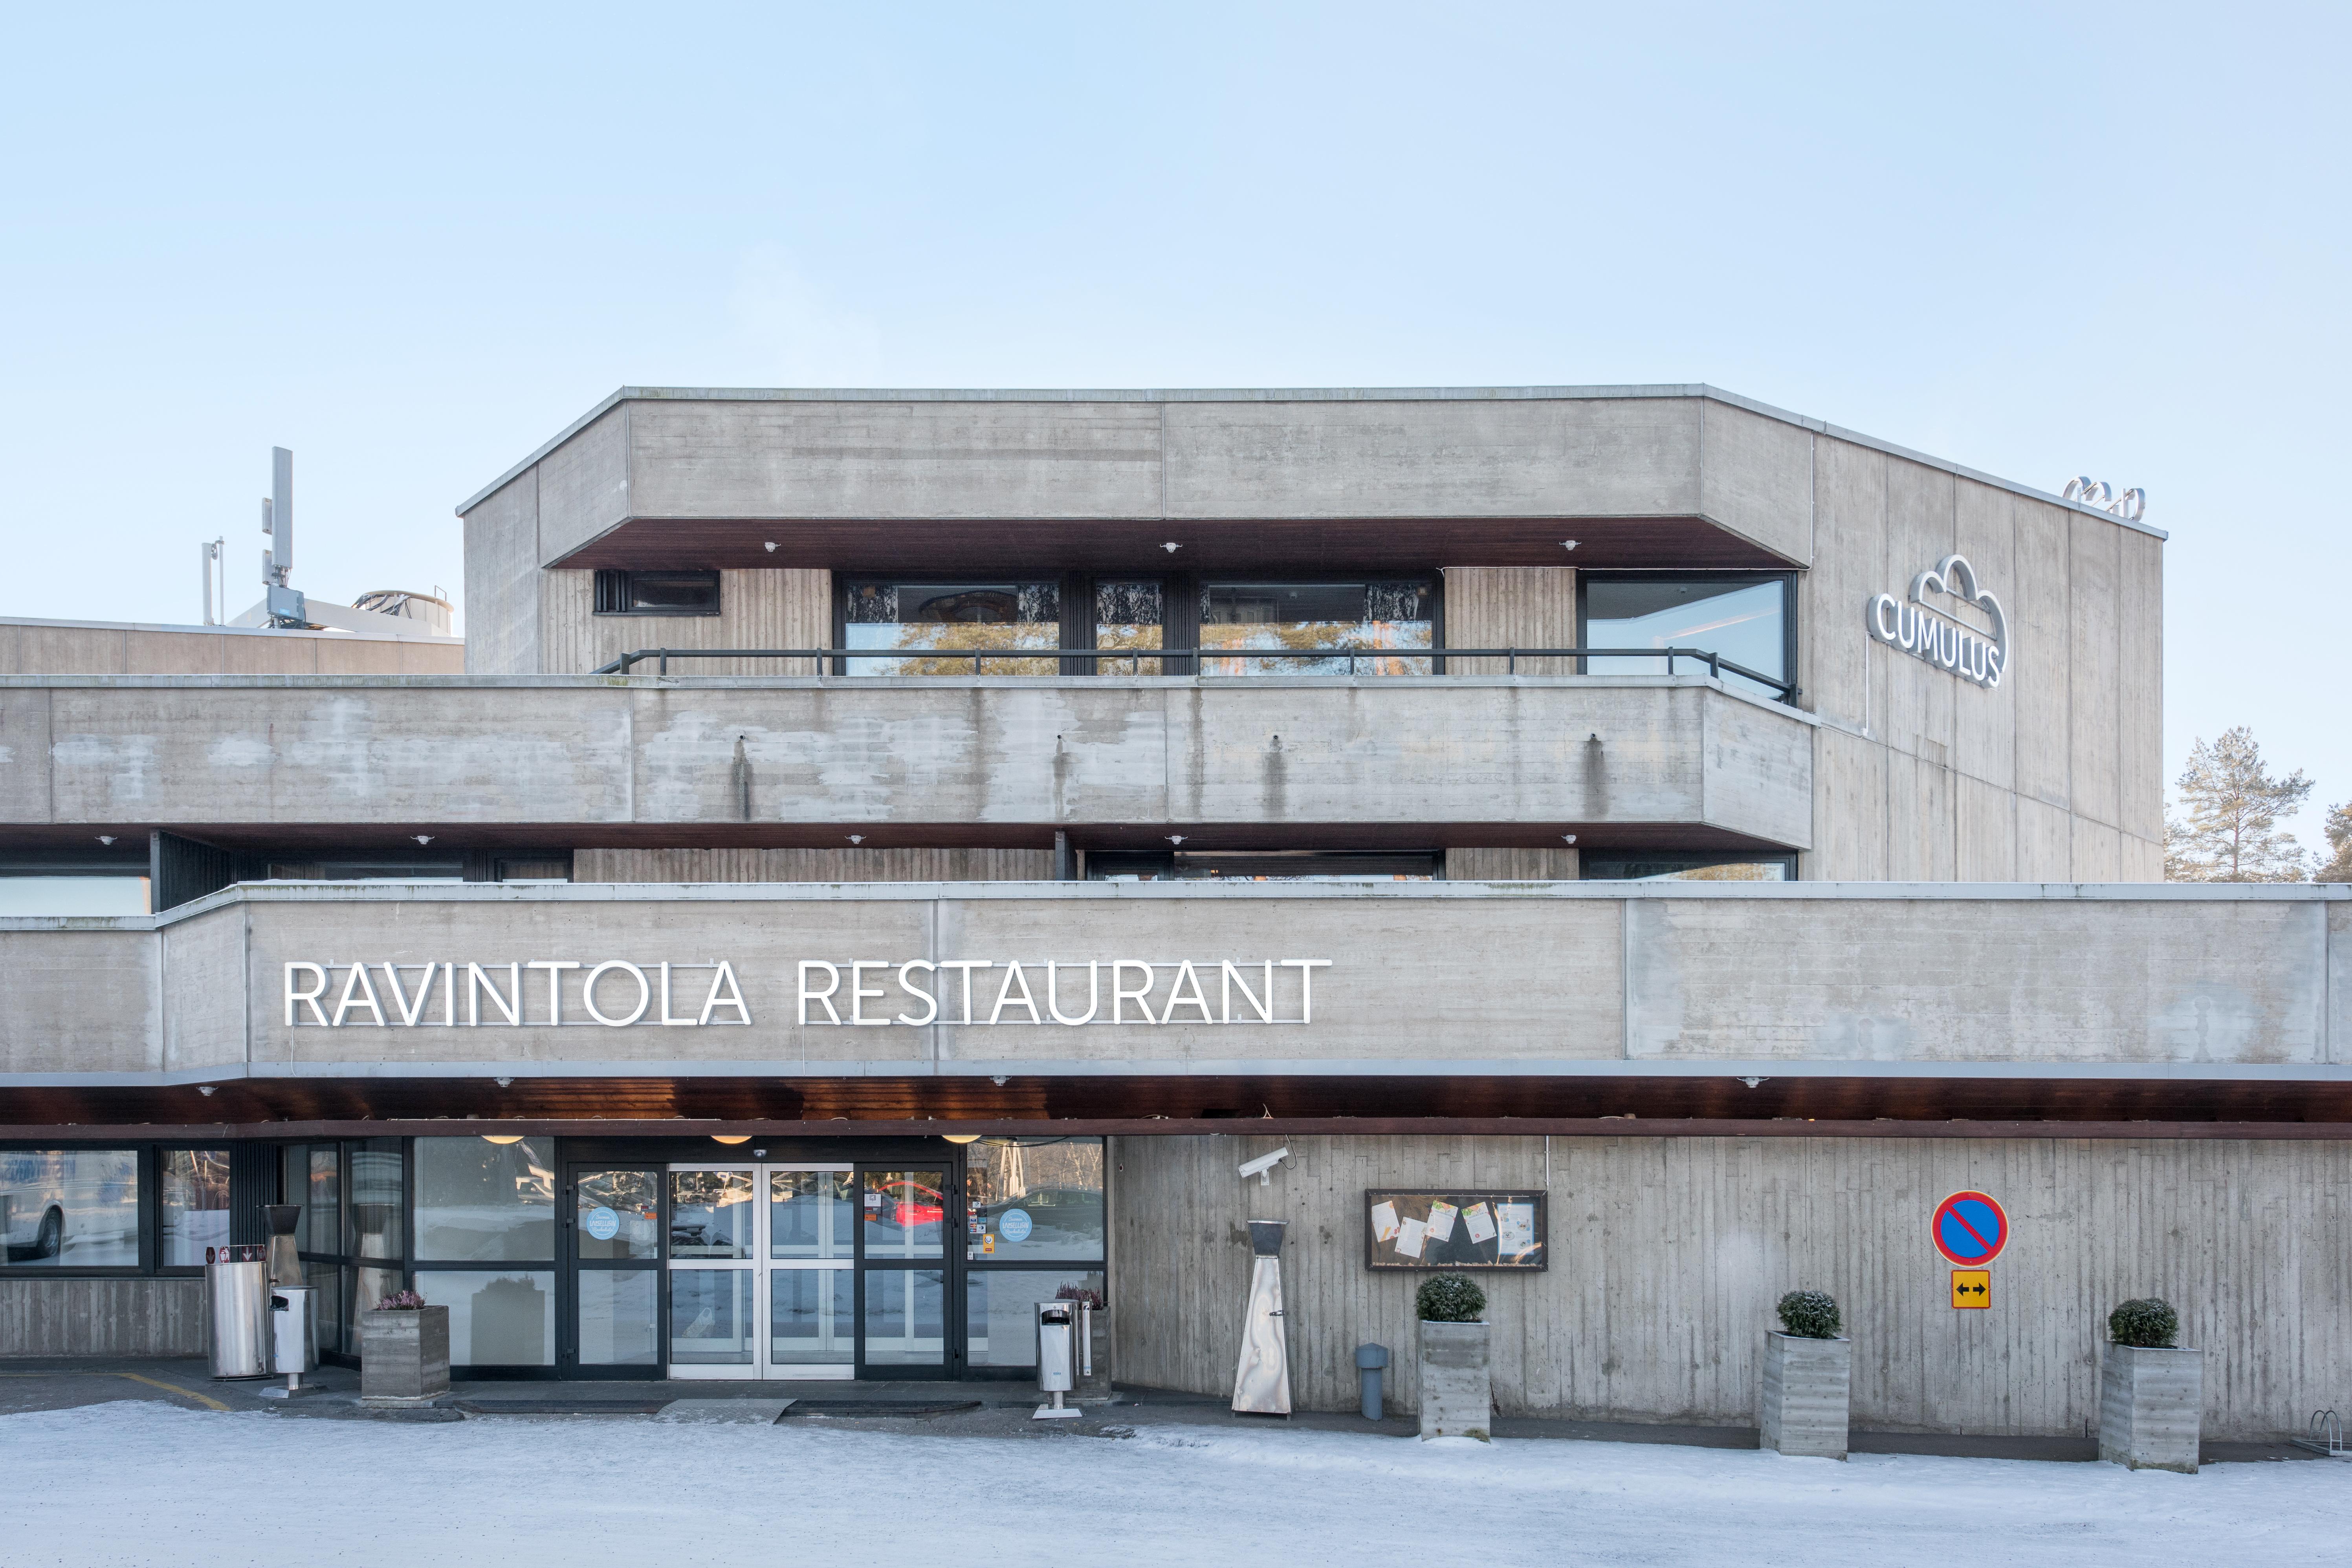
<point>1969,1228</point>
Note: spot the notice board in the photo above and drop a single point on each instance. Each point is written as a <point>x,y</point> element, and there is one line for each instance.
<point>1485,1228</point>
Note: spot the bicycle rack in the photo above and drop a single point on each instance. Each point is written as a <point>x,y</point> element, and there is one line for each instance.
<point>2326,1435</point>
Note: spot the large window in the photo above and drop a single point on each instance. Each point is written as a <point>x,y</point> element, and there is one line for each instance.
<point>97,895</point>
<point>352,1230</point>
<point>69,1209</point>
<point>1032,1208</point>
<point>1266,866</point>
<point>1680,866</point>
<point>928,625</point>
<point>1303,617</point>
<point>194,1211</point>
<point>1746,619</point>
<point>1262,627</point>
<point>486,1246</point>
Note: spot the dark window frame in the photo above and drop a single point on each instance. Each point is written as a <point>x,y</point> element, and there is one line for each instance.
<point>1788,596</point>
<point>1690,859</point>
<point>1179,601</point>
<point>616,591</point>
<point>149,1219</point>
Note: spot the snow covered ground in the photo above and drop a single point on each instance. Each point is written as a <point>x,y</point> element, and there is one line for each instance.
<point>136,1482</point>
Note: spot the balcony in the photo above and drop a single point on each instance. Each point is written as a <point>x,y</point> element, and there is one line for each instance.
<point>781,760</point>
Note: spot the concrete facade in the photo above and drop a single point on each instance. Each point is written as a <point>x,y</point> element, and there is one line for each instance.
<point>2220,983</point>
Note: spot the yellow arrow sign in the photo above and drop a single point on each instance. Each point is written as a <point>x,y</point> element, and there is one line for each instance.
<point>1972,1288</point>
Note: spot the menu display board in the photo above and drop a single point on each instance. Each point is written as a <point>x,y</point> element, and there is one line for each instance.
<point>1479,1230</point>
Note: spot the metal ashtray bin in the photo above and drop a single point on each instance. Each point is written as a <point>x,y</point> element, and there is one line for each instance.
<point>237,1295</point>
<point>1056,1357</point>
<point>292,1340</point>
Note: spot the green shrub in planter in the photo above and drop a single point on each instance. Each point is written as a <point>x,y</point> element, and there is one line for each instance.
<point>2146,1325</point>
<point>1809,1314</point>
<point>1450,1298</point>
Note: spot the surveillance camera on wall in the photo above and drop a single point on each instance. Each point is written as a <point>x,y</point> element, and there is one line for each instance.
<point>1265,1164</point>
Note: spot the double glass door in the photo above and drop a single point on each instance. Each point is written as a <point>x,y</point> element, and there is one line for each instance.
<point>779,1270</point>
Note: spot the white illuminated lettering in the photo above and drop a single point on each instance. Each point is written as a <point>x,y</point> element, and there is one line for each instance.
<point>1306,968</point>
<point>358,992</point>
<point>1054,1001</point>
<point>307,998</point>
<point>408,1015</point>
<point>588,993</point>
<point>665,1019</point>
<point>1185,975</point>
<point>724,993</point>
<point>555,969</point>
<point>477,982</point>
<point>968,965</point>
<point>1004,997</point>
<point>931,1003</point>
<point>1119,994</point>
<point>1265,1009</point>
<point>859,991</point>
<point>832,984</point>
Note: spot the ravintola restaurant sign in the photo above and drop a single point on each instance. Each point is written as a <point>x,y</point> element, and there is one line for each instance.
<point>859,993</point>
<point>1924,628</point>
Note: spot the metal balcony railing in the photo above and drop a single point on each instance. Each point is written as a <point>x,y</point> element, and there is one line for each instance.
<point>1717,665</point>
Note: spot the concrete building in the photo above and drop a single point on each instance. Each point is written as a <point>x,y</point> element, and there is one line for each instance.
<point>893,857</point>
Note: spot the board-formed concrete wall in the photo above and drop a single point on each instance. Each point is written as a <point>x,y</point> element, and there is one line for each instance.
<point>1020,754</point>
<point>1667,1255</point>
<point>1436,978</point>
<point>100,1317</point>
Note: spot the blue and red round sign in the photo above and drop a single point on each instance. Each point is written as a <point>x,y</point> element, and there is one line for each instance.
<point>1970,1229</point>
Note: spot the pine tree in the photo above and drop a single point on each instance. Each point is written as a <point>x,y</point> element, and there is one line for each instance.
<point>2229,831</point>
<point>2339,838</point>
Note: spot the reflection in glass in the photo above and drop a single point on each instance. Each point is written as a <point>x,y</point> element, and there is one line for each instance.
<point>1310,616</point>
<point>809,1213</point>
<point>905,1214</point>
<point>812,1321</point>
<point>327,1315</point>
<point>495,1318</point>
<point>375,1209</point>
<point>616,1317</point>
<point>482,1201</point>
<point>1128,615</point>
<point>943,617</point>
<point>1743,622</point>
<point>615,1215</point>
<point>194,1206</point>
<point>73,895</point>
<point>711,1316</point>
<point>1034,1198</point>
<point>1001,1311</point>
<point>322,1226</point>
<point>906,1318</point>
<point>1673,868</point>
<point>711,1214</point>
<point>371,1285</point>
<point>71,1208</point>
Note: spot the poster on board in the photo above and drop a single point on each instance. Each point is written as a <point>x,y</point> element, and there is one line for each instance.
<point>1444,1230</point>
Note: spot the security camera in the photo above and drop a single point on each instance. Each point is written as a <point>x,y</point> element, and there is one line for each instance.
<point>1265,1164</point>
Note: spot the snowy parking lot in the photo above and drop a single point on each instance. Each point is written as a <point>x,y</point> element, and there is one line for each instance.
<point>137,1482</point>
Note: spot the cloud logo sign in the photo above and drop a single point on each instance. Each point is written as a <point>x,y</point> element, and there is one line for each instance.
<point>1916,630</point>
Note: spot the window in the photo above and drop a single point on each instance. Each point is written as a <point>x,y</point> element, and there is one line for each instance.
<point>950,621</point>
<point>69,1209</point>
<point>1266,866</point>
<point>194,1213</point>
<point>352,1231</point>
<point>103,895</point>
<point>656,593</point>
<point>1129,613</point>
<point>1744,618</point>
<point>488,1209</point>
<point>1304,617</point>
<point>1674,865</point>
<point>1034,1199</point>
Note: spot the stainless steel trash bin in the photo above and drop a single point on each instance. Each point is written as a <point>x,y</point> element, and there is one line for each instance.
<point>293,1338</point>
<point>1057,1356</point>
<point>236,1297</point>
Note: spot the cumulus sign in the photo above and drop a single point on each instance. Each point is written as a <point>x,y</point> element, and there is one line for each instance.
<point>1919,631</point>
<point>1969,1228</point>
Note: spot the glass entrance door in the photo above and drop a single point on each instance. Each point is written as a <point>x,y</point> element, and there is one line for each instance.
<point>612,1233</point>
<point>763,1272</point>
<point>903,1277</point>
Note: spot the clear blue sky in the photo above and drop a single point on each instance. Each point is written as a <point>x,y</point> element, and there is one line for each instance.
<point>412,243</point>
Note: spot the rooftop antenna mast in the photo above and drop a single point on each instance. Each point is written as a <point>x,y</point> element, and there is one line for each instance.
<point>284,603</point>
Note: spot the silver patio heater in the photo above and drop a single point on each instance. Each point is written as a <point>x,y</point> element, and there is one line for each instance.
<point>1262,1381</point>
